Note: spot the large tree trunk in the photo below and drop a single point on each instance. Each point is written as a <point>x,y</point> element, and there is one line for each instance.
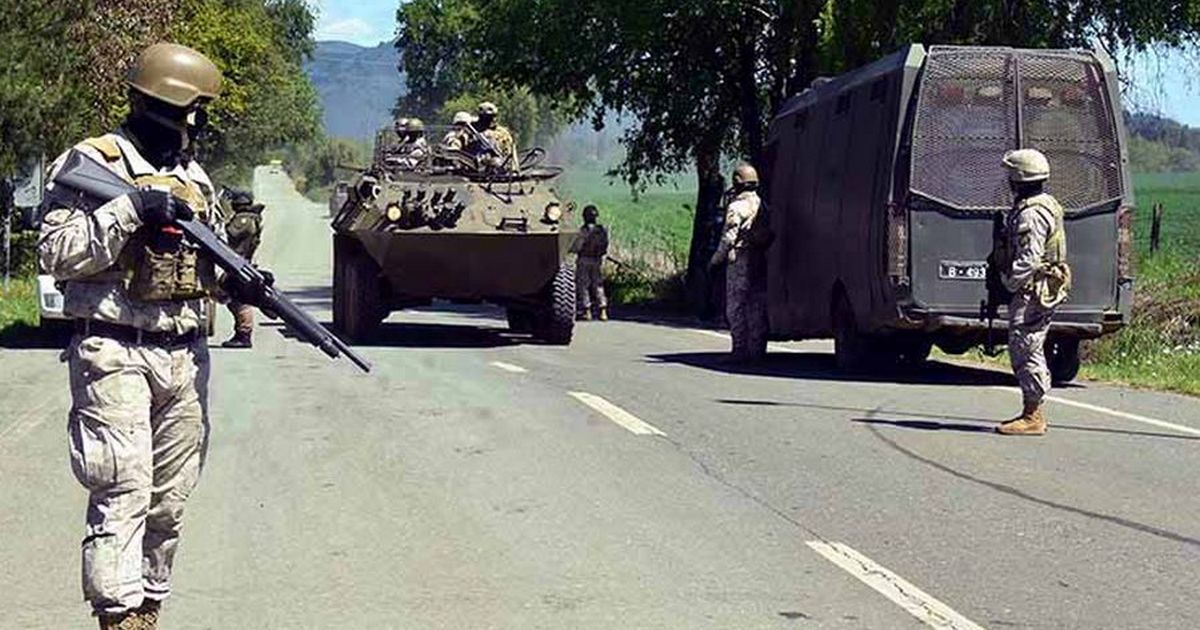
<point>706,227</point>
<point>750,106</point>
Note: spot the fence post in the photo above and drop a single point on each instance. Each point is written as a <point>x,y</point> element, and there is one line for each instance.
<point>1156,228</point>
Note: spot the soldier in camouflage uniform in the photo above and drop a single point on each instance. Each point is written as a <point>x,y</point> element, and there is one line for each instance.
<point>138,363</point>
<point>1032,260</point>
<point>590,247</point>
<point>745,303</point>
<point>502,151</point>
<point>244,229</point>
<point>459,137</point>
<point>413,148</point>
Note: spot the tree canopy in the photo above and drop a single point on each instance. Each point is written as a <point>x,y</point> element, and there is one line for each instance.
<point>70,60</point>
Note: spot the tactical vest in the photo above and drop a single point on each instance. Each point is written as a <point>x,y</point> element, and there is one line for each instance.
<point>161,266</point>
<point>1052,283</point>
<point>243,230</point>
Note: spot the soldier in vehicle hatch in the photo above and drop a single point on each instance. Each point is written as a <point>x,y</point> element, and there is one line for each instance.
<point>590,247</point>
<point>1032,262</point>
<point>138,363</point>
<point>244,230</point>
<point>500,149</point>
<point>412,148</point>
<point>459,137</point>
<point>743,242</point>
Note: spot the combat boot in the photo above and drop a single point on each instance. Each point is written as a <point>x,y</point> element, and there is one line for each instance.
<point>148,612</point>
<point>1032,421</point>
<point>238,340</point>
<point>586,316</point>
<point>128,621</point>
<point>604,314</point>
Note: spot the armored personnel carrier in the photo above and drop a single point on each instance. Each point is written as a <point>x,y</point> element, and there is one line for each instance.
<point>448,228</point>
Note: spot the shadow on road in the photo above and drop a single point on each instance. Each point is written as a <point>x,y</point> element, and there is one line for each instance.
<point>820,366</point>
<point>933,425</point>
<point>415,335</point>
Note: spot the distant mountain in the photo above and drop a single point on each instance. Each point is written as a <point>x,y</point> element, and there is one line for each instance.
<point>358,87</point>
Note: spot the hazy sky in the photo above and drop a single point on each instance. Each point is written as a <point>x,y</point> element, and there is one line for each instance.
<point>1165,85</point>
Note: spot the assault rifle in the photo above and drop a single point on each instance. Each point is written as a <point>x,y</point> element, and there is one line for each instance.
<point>997,293</point>
<point>95,184</point>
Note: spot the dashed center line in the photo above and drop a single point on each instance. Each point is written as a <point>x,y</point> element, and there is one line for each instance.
<point>916,602</point>
<point>628,421</point>
<point>1162,424</point>
<point>508,367</point>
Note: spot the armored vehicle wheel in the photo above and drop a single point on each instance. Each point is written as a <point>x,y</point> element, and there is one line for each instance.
<point>850,346</point>
<point>556,322</point>
<point>519,320</point>
<point>1063,357</point>
<point>357,298</point>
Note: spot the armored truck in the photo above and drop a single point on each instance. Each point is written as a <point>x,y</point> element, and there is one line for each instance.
<point>444,227</point>
<point>883,184</point>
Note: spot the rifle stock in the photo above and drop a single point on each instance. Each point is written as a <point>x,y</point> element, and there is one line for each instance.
<point>93,182</point>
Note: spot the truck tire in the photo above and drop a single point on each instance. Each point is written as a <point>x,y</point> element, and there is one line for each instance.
<point>850,346</point>
<point>1064,360</point>
<point>557,321</point>
<point>913,353</point>
<point>357,298</point>
<point>520,320</point>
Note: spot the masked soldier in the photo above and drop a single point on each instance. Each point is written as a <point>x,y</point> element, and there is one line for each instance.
<point>590,247</point>
<point>500,149</point>
<point>459,137</point>
<point>244,230</point>
<point>413,147</point>
<point>741,246</point>
<point>1033,263</point>
<point>138,364</point>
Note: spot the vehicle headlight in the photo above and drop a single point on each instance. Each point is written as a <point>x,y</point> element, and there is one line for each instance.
<point>553,213</point>
<point>395,212</point>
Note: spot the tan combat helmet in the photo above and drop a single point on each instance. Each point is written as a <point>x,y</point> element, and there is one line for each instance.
<point>488,108</point>
<point>176,75</point>
<point>463,118</point>
<point>744,174</point>
<point>1027,165</point>
<point>415,125</point>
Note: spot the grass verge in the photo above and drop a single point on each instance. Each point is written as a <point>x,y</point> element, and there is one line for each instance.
<point>18,305</point>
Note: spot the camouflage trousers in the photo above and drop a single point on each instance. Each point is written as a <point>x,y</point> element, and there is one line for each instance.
<point>1028,328</point>
<point>138,430</point>
<point>243,317</point>
<point>589,284</point>
<point>746,310</point>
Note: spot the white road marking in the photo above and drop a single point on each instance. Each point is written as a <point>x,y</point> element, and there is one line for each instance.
<point>1162,424</point>
<point>918,603</point>
<point>712,333</point>
<point>508,367</point>
<point>630,422</point>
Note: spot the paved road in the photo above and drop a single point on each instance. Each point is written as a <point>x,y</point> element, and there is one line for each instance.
<point>629,481</point>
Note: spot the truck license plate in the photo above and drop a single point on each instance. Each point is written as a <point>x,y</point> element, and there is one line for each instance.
<point>955,270</point>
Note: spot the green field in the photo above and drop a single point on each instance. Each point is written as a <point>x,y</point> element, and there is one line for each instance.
<point>1161,347</point>
<point>655,225</point>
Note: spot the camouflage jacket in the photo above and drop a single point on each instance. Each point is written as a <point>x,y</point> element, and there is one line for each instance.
<point>739,219</point>
<point>591,242</point>
<point>81,247</point>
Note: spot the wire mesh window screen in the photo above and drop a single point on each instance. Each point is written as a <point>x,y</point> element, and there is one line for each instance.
<point>965,121</point>
<point>1067,115</point>
<point>967,118</point>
